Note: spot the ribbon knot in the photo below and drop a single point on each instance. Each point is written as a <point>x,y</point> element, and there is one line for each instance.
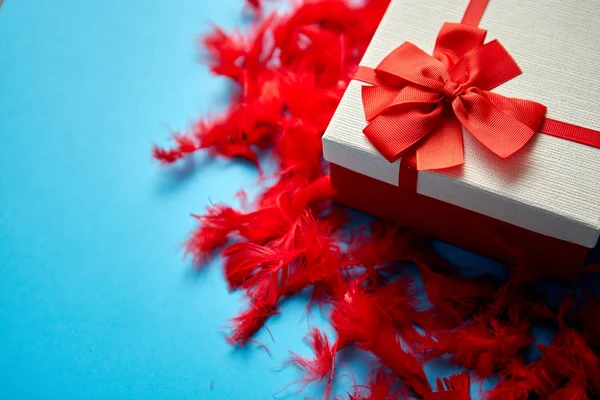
<point>451,90</point>
<point>421,102</point>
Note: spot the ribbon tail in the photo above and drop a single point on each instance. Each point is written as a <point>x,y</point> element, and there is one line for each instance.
<point>504,125</point>
<point>443,147</point>
<point>474,12</point>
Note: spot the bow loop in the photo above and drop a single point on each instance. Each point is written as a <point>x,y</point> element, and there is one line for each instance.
<point>421,100</point>
<point>509,123</point>
<point>380,99</point>
<point>456,40</point>
<point>485,67</point>
<point>409,64</point>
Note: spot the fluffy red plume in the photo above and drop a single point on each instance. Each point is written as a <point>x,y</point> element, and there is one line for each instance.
<point>398,301</point>
<point>358,319</point>
<point>184,145</point>
<point>484,345</point>
<point>520,381</point>
<point>380,387</point>
<point>570,362</point>
<point>454,298</point>
<point>456,387</point>
<point>246,324</point>
<point>243,260</point>
<point>214,230</point>
<point>255,4</point>
<point>321,367</point>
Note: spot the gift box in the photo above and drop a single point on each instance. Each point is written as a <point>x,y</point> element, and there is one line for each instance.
<point>479,124</point>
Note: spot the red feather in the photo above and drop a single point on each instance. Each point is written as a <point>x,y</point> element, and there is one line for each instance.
<point>358,319</point>
<point>484,345</point>
<point>454,298</point>
<point>255,4</point>
<point>380,387</point>
<point>456,387</point>
<point>321,367</point>
<point>246,324</point>
<point>214,230</point>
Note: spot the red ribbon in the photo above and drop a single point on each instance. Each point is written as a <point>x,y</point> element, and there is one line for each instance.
<point>419,103</point>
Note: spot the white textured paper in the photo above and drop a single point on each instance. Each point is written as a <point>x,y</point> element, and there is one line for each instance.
<point>552,186</point>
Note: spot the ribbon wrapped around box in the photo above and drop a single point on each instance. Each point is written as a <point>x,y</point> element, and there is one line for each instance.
<point>479,124</point>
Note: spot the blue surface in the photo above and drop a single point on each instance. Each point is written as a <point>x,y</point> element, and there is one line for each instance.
<point>95,300</point>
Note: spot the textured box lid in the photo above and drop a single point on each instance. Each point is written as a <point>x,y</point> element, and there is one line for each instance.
<point>552,185</point>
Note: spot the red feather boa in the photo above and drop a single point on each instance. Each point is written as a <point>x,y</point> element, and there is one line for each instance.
<point>291,72</point>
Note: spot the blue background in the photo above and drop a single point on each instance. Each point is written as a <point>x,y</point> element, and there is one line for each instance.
<point>95,299</point>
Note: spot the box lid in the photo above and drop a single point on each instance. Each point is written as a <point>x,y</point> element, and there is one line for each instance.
<point>552,185</point>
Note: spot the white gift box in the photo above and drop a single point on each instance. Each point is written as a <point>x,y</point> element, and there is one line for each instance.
<point>552,185</point>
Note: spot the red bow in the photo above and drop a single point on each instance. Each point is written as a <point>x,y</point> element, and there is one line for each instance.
<point>421,101</point>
